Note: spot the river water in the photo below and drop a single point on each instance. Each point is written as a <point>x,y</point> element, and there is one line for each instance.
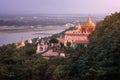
<point>16,37</point>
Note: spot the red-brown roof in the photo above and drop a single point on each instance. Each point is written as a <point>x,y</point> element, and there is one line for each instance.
<point>81,41</point>
<point>76,34</point>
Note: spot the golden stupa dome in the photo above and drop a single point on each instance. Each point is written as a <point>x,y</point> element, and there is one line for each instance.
<point>89,23</point>
<point>22,43</point>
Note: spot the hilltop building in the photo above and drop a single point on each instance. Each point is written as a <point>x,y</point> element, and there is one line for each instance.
<point>41,47</point>
<point>80,35</point>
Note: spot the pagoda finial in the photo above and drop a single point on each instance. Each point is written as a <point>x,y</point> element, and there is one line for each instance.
<point>78,26</point>
<point>89,20</point>
<point>89,23</point>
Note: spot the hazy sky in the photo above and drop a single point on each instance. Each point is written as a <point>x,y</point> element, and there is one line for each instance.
<point>59,6</point>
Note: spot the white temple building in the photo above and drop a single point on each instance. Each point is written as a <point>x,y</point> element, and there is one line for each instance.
<point>41,47</point>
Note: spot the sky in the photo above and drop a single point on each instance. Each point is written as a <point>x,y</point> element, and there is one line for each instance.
<point>59,6</point>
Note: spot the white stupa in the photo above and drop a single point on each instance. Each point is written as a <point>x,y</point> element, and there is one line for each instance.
<point>30,41</point>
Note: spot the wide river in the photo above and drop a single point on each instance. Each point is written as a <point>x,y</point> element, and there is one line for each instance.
<point>16,37</point>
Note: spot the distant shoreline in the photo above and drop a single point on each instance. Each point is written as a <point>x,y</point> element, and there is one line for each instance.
<point>25,30</point>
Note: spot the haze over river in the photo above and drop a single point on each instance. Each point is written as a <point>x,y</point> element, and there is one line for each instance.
<point>16,37</point>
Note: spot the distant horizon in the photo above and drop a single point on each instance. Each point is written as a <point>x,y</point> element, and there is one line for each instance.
<point>37,14</point>
<point>22,7</point>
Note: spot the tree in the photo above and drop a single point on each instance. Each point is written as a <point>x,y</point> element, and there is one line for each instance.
<point>61,72</point>
<point>68,44</point>
<point>104,48</point>
<point>53,40</point>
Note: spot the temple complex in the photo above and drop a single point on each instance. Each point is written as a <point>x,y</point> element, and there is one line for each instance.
<point>80,35</point>
<point>76,36</point>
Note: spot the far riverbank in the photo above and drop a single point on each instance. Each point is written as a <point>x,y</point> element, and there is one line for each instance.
<point>9,31</point>
<point>16,37</point>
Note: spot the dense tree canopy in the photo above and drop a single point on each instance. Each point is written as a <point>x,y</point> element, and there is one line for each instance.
<point>104,44</point>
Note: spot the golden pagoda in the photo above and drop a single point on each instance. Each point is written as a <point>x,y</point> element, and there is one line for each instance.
<point>21,44</point>
<point>89,23</point>
<point>80,35</point>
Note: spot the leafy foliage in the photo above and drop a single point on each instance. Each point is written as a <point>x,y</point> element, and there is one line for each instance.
<point>53,40</point>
